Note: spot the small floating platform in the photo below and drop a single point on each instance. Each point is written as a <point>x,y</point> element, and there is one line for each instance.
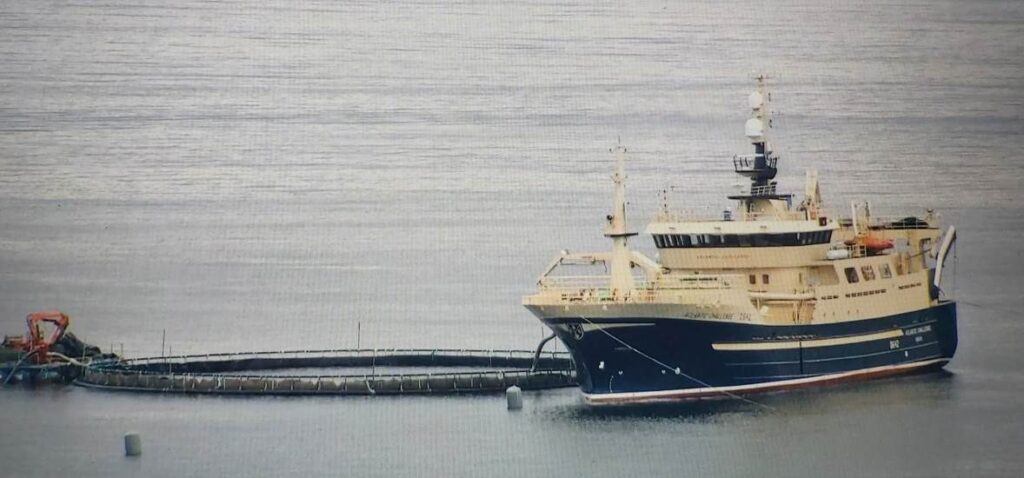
<point>239,373</point>
<point>11,373</point>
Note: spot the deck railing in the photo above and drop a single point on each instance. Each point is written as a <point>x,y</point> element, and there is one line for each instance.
<point>596,289</point>
<point>899,222</point>
<point>710,216</point>
<point>745,162</point>
<point>219,373</point>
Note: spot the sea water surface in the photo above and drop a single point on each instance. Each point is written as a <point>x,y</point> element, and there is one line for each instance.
<point>280,175</point>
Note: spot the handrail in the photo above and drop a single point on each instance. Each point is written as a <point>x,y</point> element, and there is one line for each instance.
<point>596,284</point>
<point>363,376</point>
<point>745,162</point>
<point>856,250</point>
<point>738,216</point>
<point>663,289</point>
<point>897,223</point>
<point>382,352</point>
<point>190,374</point>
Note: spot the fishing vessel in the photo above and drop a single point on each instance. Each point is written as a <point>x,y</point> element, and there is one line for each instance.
<point>770,295</point>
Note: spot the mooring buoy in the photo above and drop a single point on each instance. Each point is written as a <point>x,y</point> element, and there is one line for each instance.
<point>514,397</point>
<point>132,444</point>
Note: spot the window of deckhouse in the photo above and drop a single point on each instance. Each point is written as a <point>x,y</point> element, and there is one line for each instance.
<point>851,275</point>
<point>883,269</point>
<point>753,279</point>
<point>868,272</point>
<point>742,240</point>
<point>764,279</point>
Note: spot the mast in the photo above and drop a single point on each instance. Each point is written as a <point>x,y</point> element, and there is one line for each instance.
<point>756,127</point>
<point>621,276</point>
<point>760,167</point>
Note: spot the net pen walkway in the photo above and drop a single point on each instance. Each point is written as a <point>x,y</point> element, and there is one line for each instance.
<point>246,373</point>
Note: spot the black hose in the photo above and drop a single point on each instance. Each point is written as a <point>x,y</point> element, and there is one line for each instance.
<point>540,346</point>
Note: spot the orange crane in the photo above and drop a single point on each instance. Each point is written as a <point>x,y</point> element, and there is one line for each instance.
<point>37,342</point>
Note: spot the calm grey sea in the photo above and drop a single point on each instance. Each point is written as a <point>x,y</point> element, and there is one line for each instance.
<point>277,175</point>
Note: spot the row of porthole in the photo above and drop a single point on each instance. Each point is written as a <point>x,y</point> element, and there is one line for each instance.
<point>867,292</point>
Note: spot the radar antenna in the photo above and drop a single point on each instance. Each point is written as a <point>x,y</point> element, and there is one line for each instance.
<point>760,167</point>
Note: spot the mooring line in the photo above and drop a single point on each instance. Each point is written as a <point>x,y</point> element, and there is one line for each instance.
<point>677,370</point>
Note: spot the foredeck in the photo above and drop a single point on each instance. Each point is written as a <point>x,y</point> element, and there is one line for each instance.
<point>594,289</point>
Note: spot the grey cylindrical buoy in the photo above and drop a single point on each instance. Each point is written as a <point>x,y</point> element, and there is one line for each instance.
<point>132,444</point>
<point>514,396</point>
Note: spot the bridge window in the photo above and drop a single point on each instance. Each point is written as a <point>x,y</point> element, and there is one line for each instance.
<point>851,275</point>
<point>743,240</point>
<point>815,237</point>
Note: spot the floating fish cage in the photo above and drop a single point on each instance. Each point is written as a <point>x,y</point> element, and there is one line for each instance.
<point>255,373</point>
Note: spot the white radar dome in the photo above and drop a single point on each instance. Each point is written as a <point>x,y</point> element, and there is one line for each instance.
<point>754,128</point>
<point>755,100</point>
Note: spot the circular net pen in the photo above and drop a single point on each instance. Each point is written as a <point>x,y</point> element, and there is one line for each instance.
<point>353,372</point>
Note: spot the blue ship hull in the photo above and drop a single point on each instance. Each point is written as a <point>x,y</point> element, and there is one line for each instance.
<point>636,359</point>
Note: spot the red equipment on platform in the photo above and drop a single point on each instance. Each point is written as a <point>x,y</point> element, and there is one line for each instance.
<point>37,342</point>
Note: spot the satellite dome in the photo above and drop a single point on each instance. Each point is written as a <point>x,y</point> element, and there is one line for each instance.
<point>754,128</point>
<point>755,100</point>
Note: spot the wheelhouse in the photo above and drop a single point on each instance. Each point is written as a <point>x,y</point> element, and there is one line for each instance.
<point>666,241</point>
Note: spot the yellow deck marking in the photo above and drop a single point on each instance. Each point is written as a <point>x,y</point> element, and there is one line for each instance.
<point>794,344</point>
